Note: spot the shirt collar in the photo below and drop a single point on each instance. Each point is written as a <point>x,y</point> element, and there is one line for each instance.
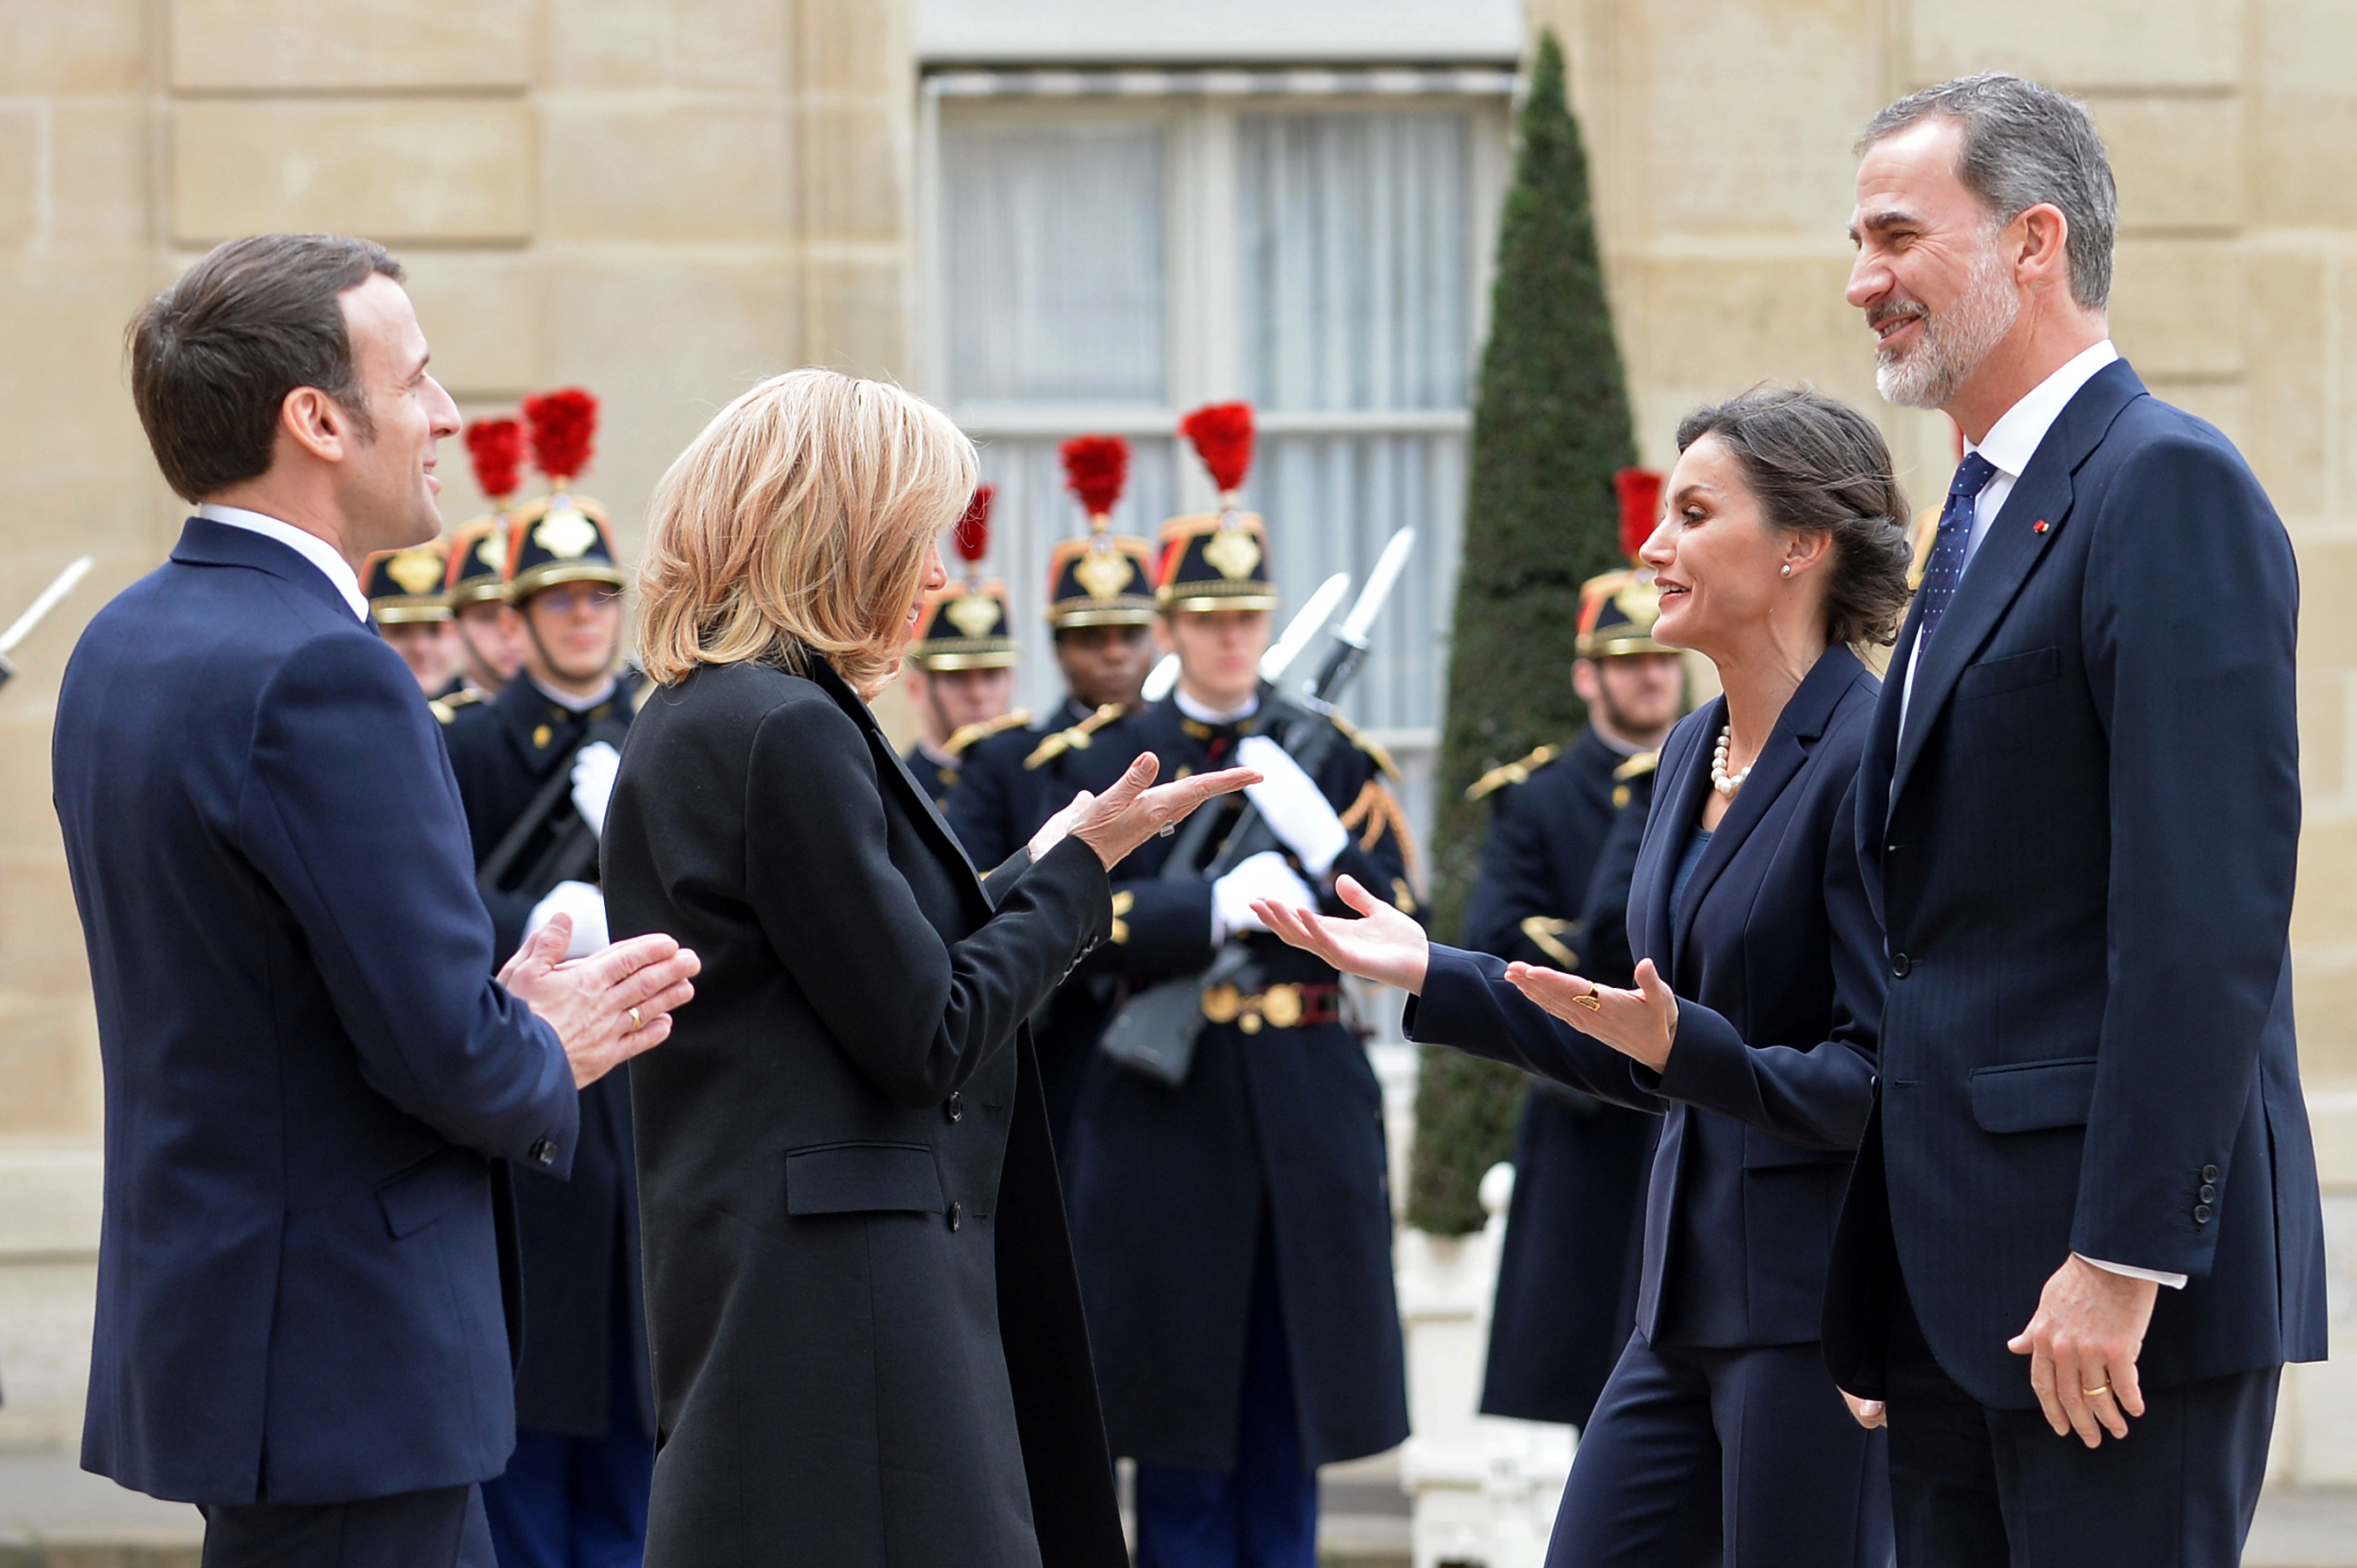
<point>570,703</point>
<point>2014,439</point>
<point>309,545</point>
<point>1207,715</point>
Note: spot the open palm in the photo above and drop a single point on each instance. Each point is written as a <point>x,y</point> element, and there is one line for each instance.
<point>1382,945</point>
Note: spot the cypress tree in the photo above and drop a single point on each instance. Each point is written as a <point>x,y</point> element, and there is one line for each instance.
<point>1551,428</point>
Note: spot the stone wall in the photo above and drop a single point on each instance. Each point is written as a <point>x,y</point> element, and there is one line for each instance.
<point>665,200</point>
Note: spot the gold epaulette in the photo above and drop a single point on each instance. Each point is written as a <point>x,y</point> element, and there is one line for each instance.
<point>1517,772</point>
<point>444,709</point>
<point>1637,766</point>
<point>1373,748</point>
<point>1547,932</point>
<point>1073,739</point>
<point>1375,811</point>
<point>982,729</point>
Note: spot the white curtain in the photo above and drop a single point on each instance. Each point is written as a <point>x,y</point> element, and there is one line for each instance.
<point>1052,255</point>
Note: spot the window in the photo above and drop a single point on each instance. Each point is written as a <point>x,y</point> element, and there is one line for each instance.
<point>1103,261</point>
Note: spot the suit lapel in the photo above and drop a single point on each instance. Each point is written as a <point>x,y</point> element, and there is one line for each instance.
<point>2006,555</point>
<point>1685,780</point>
<point>889,768</point>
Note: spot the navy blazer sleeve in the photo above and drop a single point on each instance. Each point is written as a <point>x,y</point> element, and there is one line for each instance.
<point>1467,1004</point>
<point>350,812</point>
<point>918,1014</point>
<point>1818,1094</point>
<point>2200,711</point>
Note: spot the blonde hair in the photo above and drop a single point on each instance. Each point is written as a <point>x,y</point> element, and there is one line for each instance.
<point>800,520</point>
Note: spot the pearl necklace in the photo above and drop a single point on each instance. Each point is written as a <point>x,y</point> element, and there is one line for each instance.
<point>1718,779</point>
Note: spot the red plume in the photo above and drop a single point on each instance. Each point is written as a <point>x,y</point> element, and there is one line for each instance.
<point>1222,434</point>
<point>1641,507</point>
<point>972,535</point>
<point>563,425</point>
<point>496,445</point>
<point>1096,466</point>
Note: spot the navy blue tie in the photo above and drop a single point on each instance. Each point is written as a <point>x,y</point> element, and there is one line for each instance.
<point>1945,568</point>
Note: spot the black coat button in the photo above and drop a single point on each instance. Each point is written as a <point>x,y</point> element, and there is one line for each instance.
<point>2208,1192</point>
<point>957,1215</point>
<point>2201,1214</point>
<point>954,1107</point>
<point>1899,965</point>
<point>2209,1173</point>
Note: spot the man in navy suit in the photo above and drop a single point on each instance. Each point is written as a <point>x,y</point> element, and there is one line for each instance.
<point>303,1321</point>
<point>2084,1233</point>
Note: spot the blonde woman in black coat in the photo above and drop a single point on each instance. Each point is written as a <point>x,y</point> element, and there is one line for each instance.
<point>868,1339</point>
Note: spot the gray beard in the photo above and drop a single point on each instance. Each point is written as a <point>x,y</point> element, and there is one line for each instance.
<point>1956,341</point>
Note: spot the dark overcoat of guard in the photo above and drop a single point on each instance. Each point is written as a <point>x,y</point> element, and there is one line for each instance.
<point>1169,1186</point>
<point>868,1341</point>
<point>1566,1297</point>
<point>579,1239</point>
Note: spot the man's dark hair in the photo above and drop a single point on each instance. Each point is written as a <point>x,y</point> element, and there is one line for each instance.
<point>2025,144</point>
<point>1813,461</point>
<point>213,356</point>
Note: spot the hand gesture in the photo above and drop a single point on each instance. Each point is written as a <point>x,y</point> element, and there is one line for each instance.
<point>1383,945</point>
<point>1126,815</point>
<point>1641,1024</point>
<point>2083,1344</point>
<point>606,1008</point>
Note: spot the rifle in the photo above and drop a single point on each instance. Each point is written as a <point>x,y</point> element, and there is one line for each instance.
<point>1155,1030</point>
<point>571,855</point>
<point>42,605</point>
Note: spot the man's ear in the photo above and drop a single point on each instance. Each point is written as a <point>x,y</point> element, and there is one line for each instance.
<point>1585,685</point>
<point>316,424</point>
<point>2038,245</point>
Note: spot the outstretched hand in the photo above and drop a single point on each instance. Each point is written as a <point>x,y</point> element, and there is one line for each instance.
<point>1382,945</point>
<point>1126,815</point>
<point>1642,1025</point>
<point>608,1007</point>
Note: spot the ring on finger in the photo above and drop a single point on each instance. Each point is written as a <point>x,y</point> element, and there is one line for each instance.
<point>637,1023</point>
<point>2098,1389</point>
<point>1593,1001</point>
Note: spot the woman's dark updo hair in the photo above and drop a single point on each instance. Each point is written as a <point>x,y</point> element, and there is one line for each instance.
<point>1816,462</point>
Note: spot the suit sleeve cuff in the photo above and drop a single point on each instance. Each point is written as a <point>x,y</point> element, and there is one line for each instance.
<point>2157,1276</point>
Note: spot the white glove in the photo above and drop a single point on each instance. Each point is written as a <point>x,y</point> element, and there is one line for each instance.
<point>1296,809</point>
<point>593,766</point>
<point>1261,876</point>
<point>585,904</point>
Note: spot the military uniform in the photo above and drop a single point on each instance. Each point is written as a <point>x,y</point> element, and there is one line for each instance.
<point>1234,1232</point>
<point>1549,894</point>
<point>1011,782</point>
<point>584,1396</point>
<point>963,626</point>
<point>404,587</point>
<point>477,572</point>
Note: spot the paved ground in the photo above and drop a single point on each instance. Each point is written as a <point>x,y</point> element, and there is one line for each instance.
<point>54,1516</point>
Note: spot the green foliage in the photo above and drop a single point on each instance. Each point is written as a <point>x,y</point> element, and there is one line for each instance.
<point>1550,429</point>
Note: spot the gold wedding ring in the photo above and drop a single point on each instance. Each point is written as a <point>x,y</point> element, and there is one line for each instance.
<point>2098,1389</point>
<point>1593,1001</point>
<point>637,1023</point>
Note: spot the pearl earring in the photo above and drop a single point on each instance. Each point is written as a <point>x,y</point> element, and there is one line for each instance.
<point>1784,571</point>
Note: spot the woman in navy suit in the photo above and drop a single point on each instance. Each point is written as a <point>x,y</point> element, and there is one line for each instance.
<point>1720,1438</point>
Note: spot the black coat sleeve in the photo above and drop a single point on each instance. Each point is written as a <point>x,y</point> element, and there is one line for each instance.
<point>919,1016</point>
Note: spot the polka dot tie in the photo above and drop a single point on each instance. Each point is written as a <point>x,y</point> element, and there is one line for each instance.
<point>1945,568</point>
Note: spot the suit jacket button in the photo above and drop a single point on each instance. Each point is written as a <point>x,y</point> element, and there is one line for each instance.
<point>2209,1173</point>
<point>954,1107</point>
<point>544,1152</point>
<point>957,1215</point>
<point>1899,965</point>
<point>2201,1214</point>
<point>2209,1191</point>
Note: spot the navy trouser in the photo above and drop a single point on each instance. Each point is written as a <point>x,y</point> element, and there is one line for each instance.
<point>579,1502</point>
<point>1974,1486</point>
<point>1747,1458</point>
<point>1263,1513</point>
<point>440,1529</point>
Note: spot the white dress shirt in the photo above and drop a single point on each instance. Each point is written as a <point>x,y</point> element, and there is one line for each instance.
<point>2010,444</point>
<point>310,546</point>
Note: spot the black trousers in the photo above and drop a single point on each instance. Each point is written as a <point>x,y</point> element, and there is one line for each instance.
<point>1975,1487</point>
<point>1746,1458</point>
<point>441,1529</point>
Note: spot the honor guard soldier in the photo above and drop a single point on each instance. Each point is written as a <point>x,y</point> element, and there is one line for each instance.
<point>1234,1229</point>
<point>535,767</point>
<point>961,666</point>
<point>489,638</point>
<point>1555,862</point>
<point>405,595</point>
<point>1100,605</point>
